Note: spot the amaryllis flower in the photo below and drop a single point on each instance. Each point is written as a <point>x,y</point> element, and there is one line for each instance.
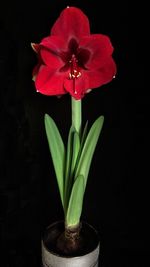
<point>71,60</point>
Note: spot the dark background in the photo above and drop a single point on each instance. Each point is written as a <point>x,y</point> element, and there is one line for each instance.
<point>116,200</point>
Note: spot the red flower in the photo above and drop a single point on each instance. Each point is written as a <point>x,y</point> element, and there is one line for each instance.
<point>71,59</point>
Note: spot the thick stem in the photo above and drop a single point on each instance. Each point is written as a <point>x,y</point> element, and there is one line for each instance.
<point>73,233</point>
<point>70,241</point>
<point>76,114</point>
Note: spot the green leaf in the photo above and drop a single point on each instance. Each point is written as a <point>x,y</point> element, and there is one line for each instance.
<point>74,147</point>
<point>68,163</point>
<point>57,151</point>
<point>89,148</point>
<point>76,202</point>
<point>84,135</point>
<point>69,154</point>
<point>80,146</point>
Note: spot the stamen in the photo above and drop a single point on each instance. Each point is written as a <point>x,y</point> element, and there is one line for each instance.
<point>74,68</point>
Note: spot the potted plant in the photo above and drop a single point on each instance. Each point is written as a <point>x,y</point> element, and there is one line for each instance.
<point>71,60</point>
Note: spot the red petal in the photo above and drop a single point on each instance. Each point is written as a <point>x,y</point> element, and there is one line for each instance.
<point>100,49</point>
<point>49,82</point>
<point>103,75</point>
<point>51,49</point>
<point>54,43</point>
<point>50,59</point>
<point>91,79</point>
<point>72,22</point>
<point>77,87</point>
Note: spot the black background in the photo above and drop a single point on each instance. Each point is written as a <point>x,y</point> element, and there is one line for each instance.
<point>116,199</point>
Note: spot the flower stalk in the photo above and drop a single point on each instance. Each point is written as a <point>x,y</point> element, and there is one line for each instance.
<point>76,106</point>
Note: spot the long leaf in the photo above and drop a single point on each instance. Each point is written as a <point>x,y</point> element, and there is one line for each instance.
<point>57,151</point>
<point>68,163</point>
<point>74,148</point>
<point>76,202</point>
<point>84,135</point>
<point>89,148</point>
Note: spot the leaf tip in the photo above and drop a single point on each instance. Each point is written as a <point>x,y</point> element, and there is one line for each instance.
<point>46,116</point>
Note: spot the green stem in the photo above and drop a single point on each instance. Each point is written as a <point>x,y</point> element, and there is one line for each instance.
<point>76,114</point>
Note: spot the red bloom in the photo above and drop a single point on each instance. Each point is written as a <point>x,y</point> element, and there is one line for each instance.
<point>71,59</point>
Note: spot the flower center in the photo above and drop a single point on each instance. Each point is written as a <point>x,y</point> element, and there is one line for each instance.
<point>74,68</point>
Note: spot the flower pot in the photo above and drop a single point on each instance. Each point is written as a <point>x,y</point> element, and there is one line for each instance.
<point>86,256</point>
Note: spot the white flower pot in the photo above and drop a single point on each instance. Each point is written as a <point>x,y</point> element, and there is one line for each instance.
<point>51,257</point>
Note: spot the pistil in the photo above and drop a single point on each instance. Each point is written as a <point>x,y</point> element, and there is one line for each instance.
<point>74,68</point>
